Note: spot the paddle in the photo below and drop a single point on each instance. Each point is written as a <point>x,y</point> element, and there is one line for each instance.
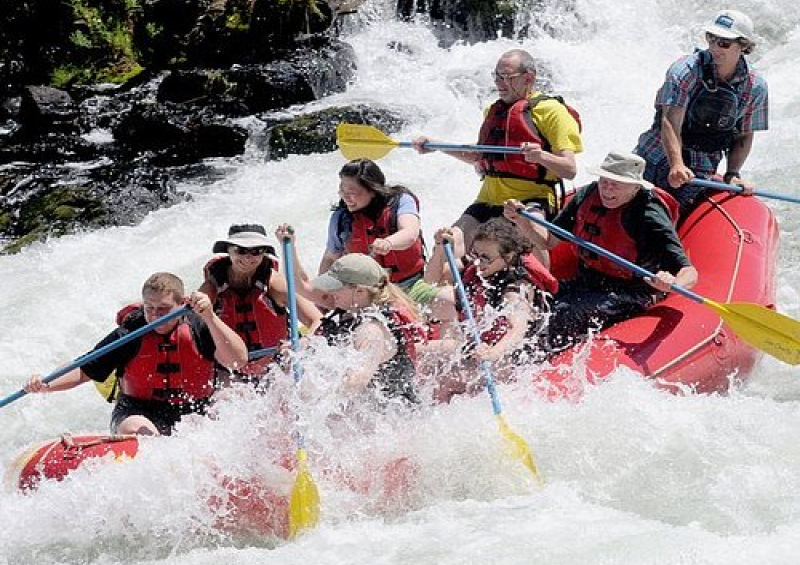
<point>92,355</point>
<point>734,188</point>
<point>259,353</point>
<point>304,501</point>
<point>518,447</point>
<point>765,329</point>
<point>358,141</point>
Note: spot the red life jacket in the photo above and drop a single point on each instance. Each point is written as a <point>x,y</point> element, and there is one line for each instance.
<point>253,315</point>
<point>402,264</point>
<point>482,291</point>
<point>168,368</point>
<point>603,227</point>
<point>512,125</point>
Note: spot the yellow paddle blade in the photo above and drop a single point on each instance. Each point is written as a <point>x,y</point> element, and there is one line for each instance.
<point>765,329</point>
<point>519,448</point>
<point>304,501</point>
<point>357,141</point>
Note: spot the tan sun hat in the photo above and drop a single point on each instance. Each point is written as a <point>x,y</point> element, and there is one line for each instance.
<point>731,24</point>
<point>622,166</point>
<point>353,268</point>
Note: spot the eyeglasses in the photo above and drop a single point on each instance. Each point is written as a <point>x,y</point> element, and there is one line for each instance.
<point>720,42</point>
<point>248,251</point>
<point>500,77</point>
<point>483,258</point>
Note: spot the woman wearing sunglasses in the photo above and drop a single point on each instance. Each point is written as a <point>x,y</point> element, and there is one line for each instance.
<point>250,295</point>
<point>709,107</point>
<point>509,290</point>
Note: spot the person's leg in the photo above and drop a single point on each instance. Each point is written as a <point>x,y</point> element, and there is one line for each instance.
<point>136,417</point>
<point>137,425</point>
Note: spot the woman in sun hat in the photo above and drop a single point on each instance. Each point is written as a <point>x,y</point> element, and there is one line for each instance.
<point>250,295</point>
<point>374,317</point>
<point>620,212</point>
<point>709,106</point>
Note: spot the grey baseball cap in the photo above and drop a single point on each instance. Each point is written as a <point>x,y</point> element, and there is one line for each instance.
<point>353,268</point>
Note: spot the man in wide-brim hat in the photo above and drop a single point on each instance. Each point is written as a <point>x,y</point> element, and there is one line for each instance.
<point>623,213</point>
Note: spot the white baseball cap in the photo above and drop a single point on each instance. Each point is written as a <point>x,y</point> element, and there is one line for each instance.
<point>731,24</point>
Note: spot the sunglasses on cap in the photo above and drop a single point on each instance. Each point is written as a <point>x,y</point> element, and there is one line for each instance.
<point>248,250</point>
<point>720,42</point>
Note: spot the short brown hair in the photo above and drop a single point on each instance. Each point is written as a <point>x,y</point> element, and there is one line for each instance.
<point>165,282</point>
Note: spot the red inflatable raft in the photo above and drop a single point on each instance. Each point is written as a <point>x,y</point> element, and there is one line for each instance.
<point>732,241</point>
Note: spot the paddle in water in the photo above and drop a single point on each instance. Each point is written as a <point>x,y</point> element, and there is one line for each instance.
<point>757,325</point>
<point>517,446</point>
<point>99,352</point>
<point>357,141</point>
<point>304,499</point>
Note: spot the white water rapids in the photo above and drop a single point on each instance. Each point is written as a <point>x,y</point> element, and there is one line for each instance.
<point>633,475</point>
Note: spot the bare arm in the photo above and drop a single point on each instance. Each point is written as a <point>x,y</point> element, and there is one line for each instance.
<point>560,163</point>
<point>739,152</point>
<point>408,227</point>
<point>378,346</point>
<point>65,382</point>
<point>230,350</point>
<point>671,123</point>
<point>437,271</point>
<point>306,311</point>
<point>518,313</point>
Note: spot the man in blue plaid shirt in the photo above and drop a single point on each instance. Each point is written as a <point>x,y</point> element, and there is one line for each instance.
<point>708,108</point>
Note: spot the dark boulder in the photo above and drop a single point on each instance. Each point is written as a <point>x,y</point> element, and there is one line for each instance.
<point>316,132</point>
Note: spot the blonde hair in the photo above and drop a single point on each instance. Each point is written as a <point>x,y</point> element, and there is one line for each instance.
<point>165,282</point>
<point>389,294</point>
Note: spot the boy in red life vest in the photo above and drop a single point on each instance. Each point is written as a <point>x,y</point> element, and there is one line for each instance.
<point>544,128</point>
<point>624,214</point>
<point>509,290</point>
<point>166,373</point>
<point>250,295</point>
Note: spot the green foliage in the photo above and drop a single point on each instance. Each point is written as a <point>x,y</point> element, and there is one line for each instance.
<point>102,48</point>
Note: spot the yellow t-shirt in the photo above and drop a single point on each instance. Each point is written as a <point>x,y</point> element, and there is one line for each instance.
<point>555,124</point>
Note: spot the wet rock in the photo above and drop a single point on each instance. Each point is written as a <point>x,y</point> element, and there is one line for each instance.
<point>37,202</point>
<point>43,109</point>
<point>176,137</point>
<point>316,132</point>
<point>319,68</point>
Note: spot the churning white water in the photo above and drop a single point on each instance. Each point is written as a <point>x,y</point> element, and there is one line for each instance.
<point>633,475</point>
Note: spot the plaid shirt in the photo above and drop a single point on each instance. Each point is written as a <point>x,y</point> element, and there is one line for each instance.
<point>683,82</point>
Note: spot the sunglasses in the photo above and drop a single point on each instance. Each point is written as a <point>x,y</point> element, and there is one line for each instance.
<point>720,42</point>
<point>248,251</point>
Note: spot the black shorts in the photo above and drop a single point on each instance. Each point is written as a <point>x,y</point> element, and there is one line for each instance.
<point>163,415</point>
<point>483,211</point>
